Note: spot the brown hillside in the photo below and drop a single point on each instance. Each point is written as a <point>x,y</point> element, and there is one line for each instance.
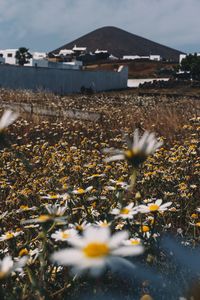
<point>120,42</point>
<point>137,69</point>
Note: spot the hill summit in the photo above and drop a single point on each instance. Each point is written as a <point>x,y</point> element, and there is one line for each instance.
<point>119,42</point>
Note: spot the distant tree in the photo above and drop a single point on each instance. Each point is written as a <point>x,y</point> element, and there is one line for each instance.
<point>191,64</point>
<point>23,56</point>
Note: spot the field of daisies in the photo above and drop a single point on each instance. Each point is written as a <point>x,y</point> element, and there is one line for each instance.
<point>105,209</point>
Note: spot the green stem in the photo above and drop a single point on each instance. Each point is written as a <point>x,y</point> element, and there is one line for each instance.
<point>133,179</point>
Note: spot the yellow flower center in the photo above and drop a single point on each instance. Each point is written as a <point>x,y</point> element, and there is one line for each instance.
<point>65,235</point>
<point>129,153</point>
<point>2,275</point>
<point>103,224</point>
<point>153,207</point>
<point>9,235</point>
<point>124,211</point>
<point>145,228</point>
<point>94,250</point>
<point>23,252</point>
<point>24,207</point>
<point>79,227</point>
<point>53,196</point>
<point>80,191</point>
<point>135,157</point>
<point>194,216</point>
<point>44,218</point>
<point>135,242</point>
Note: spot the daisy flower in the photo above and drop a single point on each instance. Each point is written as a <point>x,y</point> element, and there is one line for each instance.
<point>64,196</point>
<point>7,265</point>
<point>41,219</point>
<point>51,197</point>
<point>63,235</point>
<point>82,191</point>
<point>7,119</point>
<point>80,226</point>
<point>103,223</point>
<point>154,207</point>
<point>56,209</point>
<point>10,235</point>
<point>126,212</point>
<point>138,149</point>
<point>25,208</point>
<point>95,249</point>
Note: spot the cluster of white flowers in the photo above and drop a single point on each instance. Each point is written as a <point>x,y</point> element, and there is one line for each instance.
<point>130,210</point>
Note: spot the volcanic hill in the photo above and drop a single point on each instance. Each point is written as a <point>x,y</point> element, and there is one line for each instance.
<point>119,42</point>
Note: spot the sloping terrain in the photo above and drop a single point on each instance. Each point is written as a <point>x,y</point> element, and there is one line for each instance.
<point>120,42</point>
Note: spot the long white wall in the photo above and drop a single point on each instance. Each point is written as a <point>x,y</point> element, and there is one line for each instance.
<point>61,81</point>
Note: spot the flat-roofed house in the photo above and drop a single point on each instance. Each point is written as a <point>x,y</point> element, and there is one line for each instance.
<point>79,50</point>
<point>9,56</point>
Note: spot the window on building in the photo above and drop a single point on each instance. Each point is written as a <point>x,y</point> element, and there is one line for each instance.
<point>9,55</point>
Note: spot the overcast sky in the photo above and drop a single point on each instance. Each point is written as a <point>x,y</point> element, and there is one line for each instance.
<point>47,24</point>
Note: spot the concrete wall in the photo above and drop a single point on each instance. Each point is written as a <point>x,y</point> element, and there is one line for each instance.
<point>52,111</point>
<point>61,81</point>
<point>43,63</point>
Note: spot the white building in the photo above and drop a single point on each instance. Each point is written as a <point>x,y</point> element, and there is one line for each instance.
<point>79,50</point>
<point>181,57</point>
<point>100,51</point>
<point>39,55</point>
<point>155,57</point>
<point>9,56</point>
<point>150,57</point>
<point>39,59</point>
<point>65,52</point>
<point>133,57</point>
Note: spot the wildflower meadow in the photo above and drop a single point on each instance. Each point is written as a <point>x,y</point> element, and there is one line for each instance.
<point>104,209</point>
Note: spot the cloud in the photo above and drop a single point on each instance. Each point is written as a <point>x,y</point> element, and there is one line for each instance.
<point>48,23</point>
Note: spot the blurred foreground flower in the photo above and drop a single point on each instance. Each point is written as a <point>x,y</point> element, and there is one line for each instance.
<point>7,265</point>
<point>95,249</point>
<point>7,119</point>
<point>138,150</point>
